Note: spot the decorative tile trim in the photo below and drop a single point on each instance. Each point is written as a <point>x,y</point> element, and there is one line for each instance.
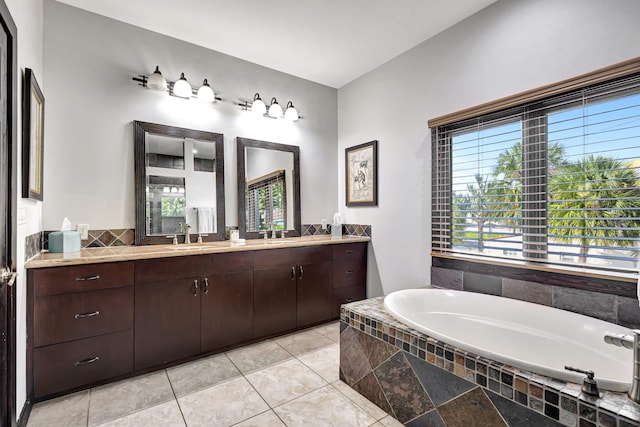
<point>32,245</point>
<point>558,400</point>
<point>102,238</point>
<point>347,230</point>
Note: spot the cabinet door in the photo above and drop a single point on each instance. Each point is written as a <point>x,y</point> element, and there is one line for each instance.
<point>274,300</point>
<point>315,293</point>
<point>167,321</point>
<point>226,310</point>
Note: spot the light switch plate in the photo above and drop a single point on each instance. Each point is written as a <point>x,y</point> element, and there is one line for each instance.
<point>23,215</point>
<point>84,231</point>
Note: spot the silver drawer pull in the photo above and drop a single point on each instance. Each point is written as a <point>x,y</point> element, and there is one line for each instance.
<point>82,316</point>
<point>349,272</point>
<point>86,279</point>
<point>87,361</point>
<point>350,251</point>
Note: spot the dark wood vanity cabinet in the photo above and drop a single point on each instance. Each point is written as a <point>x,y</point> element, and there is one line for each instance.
<point>293,288</point>
<point>349,274</point>
<point>82,325</point>
<point>189,305</point>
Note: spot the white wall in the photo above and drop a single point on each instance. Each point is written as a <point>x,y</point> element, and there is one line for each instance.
<point>28,16</point>
<point>91,102</point>
<point>506,48</point>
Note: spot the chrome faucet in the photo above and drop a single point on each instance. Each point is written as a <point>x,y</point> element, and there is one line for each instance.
<point>185,230</point>
<point>631,342</point>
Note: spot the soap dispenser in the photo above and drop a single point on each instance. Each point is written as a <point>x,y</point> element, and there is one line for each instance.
<point>336,227</point>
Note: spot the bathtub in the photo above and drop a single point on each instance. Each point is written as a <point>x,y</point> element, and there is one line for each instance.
<point>528,336</point>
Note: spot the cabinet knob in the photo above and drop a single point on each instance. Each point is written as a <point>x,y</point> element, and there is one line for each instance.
<point>87,279</point>
<point>84,315</point>
<point>205,288</point>
<point>293,273</point>
<point>349,272</point>
<point>195,287</point>
<point>350,251</point>
<point>87,361</point>
<point>301,272</point>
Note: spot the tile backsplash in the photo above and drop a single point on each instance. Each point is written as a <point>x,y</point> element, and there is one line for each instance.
<point>32,245</point>
<point>102,238</point>
<point>347,230</point>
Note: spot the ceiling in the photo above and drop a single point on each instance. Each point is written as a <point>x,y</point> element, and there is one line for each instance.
<point>331,42</point>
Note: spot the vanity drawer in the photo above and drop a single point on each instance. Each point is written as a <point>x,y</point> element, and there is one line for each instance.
<point>60,318</point>
<point>290,257</point>
<point>82,278</point>
<point>348,272</point>
<point>74,364</point>
<point>164,269</point>
<point>226,263</point>
<point>346,295</point>
<point>353,251</point>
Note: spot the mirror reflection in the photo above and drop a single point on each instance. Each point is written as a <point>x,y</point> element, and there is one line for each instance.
<point>182,172</point>
<point>268,188</point>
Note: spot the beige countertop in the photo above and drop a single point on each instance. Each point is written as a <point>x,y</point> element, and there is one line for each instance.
<point>128,253</point>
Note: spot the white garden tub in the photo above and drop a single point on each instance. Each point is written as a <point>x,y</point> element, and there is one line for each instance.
<point>529,336</point>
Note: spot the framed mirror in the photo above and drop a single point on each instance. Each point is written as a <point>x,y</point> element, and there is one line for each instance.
<point>268,188</point>
<point>179,176</point>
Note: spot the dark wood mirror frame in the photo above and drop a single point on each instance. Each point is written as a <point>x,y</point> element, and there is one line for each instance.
<point>241,144</point>
<point>139,131</point>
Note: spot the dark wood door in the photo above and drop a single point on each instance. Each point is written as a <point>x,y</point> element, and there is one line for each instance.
<point>226,306</point>
<point>315,293</point>
<point>167,321</point>
<point>274,300</point>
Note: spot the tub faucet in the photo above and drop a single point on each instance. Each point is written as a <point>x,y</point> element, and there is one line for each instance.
<point>631,342</point>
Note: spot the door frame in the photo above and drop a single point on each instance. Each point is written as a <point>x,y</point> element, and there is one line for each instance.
<point>8,359</point>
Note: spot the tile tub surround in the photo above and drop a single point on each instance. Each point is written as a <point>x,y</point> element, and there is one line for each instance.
<point>291,381</point>
<point>423,381</point>
<point>616,309</point>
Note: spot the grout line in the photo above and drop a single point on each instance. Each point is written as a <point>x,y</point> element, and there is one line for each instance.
<point>88,406</point>
<point>175,397</point>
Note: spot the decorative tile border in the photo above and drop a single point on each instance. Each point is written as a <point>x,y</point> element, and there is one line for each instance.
<point>102,238</point>
<point>347,230</point>
<point>554,399</point>
<point>32,245</point>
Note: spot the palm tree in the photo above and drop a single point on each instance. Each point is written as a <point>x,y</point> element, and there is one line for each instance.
<point>594,201</point>
<point>483,203</point>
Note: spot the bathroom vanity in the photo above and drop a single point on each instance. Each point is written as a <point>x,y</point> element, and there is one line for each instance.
<point>101,314</point>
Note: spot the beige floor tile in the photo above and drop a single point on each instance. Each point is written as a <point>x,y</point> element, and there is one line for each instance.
<point>324,407</point>
<point>388,421</point>
<point>330,330</point>
<point>266,419</point>
<point>164,415</point>
<point>324,362</point>
<point>258,356</point>
<point>200,374</point>
<point>303,342</point>
<point>369,407</point>
<point>70,410</point>
<point>285,381</point>
<point>117,400</point>
<point>222,405</point>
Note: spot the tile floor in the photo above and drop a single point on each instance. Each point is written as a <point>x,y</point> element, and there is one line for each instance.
<point>287,381</point>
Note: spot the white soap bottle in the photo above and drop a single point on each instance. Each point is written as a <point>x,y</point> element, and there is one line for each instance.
<point>336,227</point>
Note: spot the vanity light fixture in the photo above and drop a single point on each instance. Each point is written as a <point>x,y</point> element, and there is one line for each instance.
<point>180,88</point>
<point>290,112</point>
<point>275,110</point>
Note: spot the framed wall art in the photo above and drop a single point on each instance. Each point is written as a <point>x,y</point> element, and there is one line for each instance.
<point>361,174</point>
<point>32,137</point>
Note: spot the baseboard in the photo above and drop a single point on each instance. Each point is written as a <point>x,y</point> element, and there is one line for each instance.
<point>24,414</point>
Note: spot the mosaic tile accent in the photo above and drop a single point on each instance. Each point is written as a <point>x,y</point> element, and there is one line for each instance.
<point>459,384</point>
<point>347,230</point>
<point>102,238</point>
<point>611,308</point>
<point>32,245</point>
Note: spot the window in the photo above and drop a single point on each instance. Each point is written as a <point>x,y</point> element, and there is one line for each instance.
<point>266,202</point>
<point>553,180</point>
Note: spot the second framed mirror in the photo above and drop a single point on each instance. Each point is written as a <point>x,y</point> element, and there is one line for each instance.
<point>268,188</point>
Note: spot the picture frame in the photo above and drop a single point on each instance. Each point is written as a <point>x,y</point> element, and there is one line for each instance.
<point>32,137</point>
<point>361,174</point>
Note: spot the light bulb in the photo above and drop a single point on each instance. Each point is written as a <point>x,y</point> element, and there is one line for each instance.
<point>156,81</point>
<point>275,110</point>
<point>166,190</point>
<point>182,88</point>
<point>291,113</point>
<point>205,93</point>
<point>257,107</point>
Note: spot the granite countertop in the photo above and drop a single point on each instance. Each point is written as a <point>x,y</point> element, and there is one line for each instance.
<point>127,253</point>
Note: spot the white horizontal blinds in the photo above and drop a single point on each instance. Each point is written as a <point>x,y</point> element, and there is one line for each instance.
<point>266,202</point>
<point>594,194</point>
<point>441,190</point>
<point>486,188</point>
